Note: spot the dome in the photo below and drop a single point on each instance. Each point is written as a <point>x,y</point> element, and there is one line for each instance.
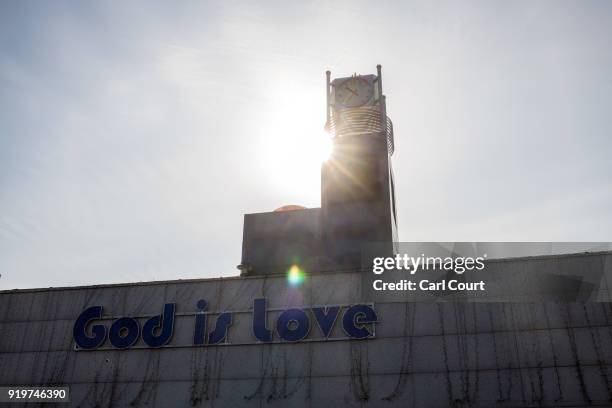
<point>290,207</point>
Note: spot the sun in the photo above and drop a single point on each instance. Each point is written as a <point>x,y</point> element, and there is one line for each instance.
<point>320,147</point>
<point>295,144</point>
<point>298,133</point>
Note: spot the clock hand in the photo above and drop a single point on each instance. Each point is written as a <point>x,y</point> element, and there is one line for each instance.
<point>353,92</point>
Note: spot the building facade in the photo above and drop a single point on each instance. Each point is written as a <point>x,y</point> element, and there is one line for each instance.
<point>415,354</point>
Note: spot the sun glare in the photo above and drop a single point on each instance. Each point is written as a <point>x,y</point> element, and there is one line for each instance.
<point>295,144</point>
<point>324,149</point>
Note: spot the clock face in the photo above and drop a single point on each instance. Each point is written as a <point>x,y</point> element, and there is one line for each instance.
<point>354,92</point>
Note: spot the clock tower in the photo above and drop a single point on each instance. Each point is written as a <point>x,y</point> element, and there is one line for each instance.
<point>357,217</point>
<point>357,186</point>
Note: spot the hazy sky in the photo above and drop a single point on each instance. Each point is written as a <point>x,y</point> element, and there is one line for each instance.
<point>135,135</point>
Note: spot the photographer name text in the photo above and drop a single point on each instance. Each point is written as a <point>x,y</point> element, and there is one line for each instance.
<point>412,265</point>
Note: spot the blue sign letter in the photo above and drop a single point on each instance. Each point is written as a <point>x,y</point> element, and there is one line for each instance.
<point>293,325</point>
<point>124,332</point>
<point>156,322</point>
<point>326,317</point>
<point>260,330</point>
<point>199,333</point>
<point>355,319</point>
<point>79,332</point>
<point>224,321</point>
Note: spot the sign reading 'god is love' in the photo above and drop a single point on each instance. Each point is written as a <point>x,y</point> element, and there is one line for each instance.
<point>292,325</point>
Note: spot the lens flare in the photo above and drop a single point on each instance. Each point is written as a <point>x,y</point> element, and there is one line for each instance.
<point>295,276</point>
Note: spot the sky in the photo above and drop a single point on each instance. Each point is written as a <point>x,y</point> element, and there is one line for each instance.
<point>135,135</point>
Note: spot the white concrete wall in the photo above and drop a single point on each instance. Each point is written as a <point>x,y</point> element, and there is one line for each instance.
<point>424,354</point>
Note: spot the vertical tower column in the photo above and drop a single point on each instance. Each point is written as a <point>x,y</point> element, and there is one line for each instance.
<point>357,191</point>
